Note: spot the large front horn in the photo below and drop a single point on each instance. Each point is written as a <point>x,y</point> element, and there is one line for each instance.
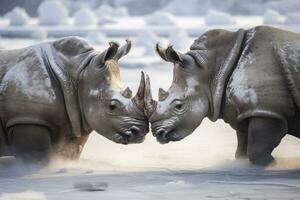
<point>138,99</point>
<point>150,104</point>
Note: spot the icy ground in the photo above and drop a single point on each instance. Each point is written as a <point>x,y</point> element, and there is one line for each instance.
<point>201,166</point>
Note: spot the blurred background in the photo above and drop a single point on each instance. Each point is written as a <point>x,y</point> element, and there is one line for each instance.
<point>28,22</point>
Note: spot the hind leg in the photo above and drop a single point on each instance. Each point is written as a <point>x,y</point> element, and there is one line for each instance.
<point>242,144</point>
<point>264,134</point>
<point>3,148</point>
<point>294,125</point>
<point>30,142</point>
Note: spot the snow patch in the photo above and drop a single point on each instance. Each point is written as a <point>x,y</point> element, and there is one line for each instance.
<point>32,83</point>
<point>18,17</point>
<point>106,13</point>
<point>292,18</point>
<point>94,93</point>
<point>272,17</point>
<point>237,86</point>
<point>40,34</point>
<point>284,7</point>
<point>85,17</point>
<point>147,39</point>
<point>74,6</point>
<point>218,18</point>
<point>52,12</point>
<point>179,38</point>
<point>97,37</point>
<point>293,54</point>
<point>26,195</point>
<point>121,12</point>
<point>178,184</point>
<point>161,19</point>
<point>106,20</point>
<point>192,7</point>
<point>104,10</point>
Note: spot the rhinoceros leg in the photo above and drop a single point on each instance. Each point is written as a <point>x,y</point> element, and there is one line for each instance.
<point>264,134</point>
<point>30,142</point>
<point>294,125</point>
<point>242,143</point>
<point>72,148</point>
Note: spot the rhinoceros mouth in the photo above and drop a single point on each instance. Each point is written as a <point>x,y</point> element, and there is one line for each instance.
<point>131,135</point>
<point>164,137</point>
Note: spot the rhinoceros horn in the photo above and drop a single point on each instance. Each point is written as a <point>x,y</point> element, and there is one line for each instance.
<point>150,104</point>
<point>138,99</point>
<point>127,93</point>
<point>123,50</point>
<point>162,94</point>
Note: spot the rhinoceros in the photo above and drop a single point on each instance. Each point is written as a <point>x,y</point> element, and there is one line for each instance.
<point>248,78</point>
<point>54,94</point>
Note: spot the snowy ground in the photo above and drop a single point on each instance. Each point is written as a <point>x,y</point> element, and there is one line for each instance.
<point>201,166</point>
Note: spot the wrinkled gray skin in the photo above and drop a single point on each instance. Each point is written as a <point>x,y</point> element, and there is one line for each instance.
<point>52,95</point>
<point>250,79</point>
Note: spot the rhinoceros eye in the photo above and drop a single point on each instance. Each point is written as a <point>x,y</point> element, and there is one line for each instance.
<point>179,106</point>
<point>113,106</point>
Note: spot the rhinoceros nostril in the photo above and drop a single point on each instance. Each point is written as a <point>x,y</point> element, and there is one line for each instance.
<point>135,130</point>
<point>161,133</point>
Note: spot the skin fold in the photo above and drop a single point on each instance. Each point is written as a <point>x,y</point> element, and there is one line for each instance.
<point>54,94</point>
<point>248,78</point>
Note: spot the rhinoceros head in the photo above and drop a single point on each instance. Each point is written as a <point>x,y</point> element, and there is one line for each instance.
<point>108,107</point>
<point>180,109</point>
<point>199,77</point>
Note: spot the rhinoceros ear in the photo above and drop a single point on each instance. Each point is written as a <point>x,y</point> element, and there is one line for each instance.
<point>173,56</point>
<point>123,50</point>
<point>108,54</point>
<point>161,52</point>
<point>170,55</point>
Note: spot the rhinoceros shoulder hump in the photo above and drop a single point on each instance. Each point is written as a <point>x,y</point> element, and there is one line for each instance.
<point>72,45</point>
<point>212,39</point>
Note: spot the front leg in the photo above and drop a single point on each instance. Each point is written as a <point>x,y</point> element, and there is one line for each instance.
<point>242,144</point>
<point>30,142</point>
<point>264,134</point>
<point>71,148</point>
